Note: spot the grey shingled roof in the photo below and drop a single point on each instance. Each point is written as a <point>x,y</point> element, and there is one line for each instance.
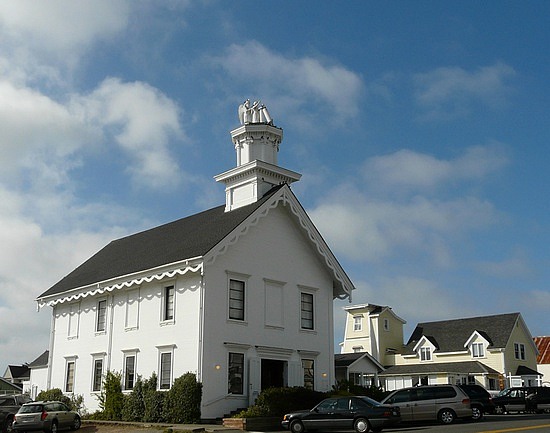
<point>346,359</point>
<point>466,367</point>
<point>451,335</point>
<point>182,239</point>
<point>41,361</point>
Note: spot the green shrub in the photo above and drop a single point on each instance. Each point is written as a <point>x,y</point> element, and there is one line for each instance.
<point>133,407</point>
<point>111,397</point>
<point>55,394</point>
<point>345,387</point>
<point>182,403</point>
<point>153,400</point>
<point>278,401</point>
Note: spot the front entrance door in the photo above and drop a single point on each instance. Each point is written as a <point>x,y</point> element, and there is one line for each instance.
<point>273,373</point>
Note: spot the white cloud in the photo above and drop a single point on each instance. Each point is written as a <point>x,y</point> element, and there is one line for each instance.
<point>62,25</point>
<point>309,80</point>
<point>409,170</point>
<point>365,230</point>
<point>142,121</point>
<point>452,91</point>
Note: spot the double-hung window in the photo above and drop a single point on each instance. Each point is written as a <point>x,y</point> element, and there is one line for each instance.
<point>69,375</point>
<point>236,299</point>
<point>101,319</point>
<point>478,350</point>
<point>306,311</point>
<point>168,303</point>
<point>235,373</point>
<point>357,323</point>
<point>165,376</point>
<point>129,371</point>
<point>97,374</point>
<point>425,354</point>
<point>309,373</point>
<point>519,351</point>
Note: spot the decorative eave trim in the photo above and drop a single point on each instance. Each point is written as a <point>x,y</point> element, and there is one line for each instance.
<point>101,287</point>
<point>287,198</point>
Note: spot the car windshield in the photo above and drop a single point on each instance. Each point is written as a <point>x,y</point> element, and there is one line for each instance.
<point>31,408</point>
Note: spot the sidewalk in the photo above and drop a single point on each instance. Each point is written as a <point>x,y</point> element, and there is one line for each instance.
<point>142,426</point>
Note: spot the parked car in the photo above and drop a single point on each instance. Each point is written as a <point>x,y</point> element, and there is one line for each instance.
<point>481,401</point>
<point>9,405</point>
<point>523,399</point>
<point>362,414</point>
<point>444,403</point>
<point>48,416</point>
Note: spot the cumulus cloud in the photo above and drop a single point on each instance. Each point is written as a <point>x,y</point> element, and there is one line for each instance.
<point>62,25</point>
<point>452,91</point>
<point>142,120</point>
<point>400,212</point>
<point>414,170</point>
<point>308,80</point>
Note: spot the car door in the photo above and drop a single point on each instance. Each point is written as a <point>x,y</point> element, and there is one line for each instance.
<point>423,404</point>
<point>321,416</point>
<point>403,398</point>
<point>516,400</point>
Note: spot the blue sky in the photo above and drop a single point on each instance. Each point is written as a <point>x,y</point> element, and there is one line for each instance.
<point>420,128</point>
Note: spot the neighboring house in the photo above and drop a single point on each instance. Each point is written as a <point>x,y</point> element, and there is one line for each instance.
<point>17,374</point>
<point>38,380</point>
<point>7,387</point>
<point>493,351</point>
<point>374,329</point>
<point>543,359</point>
<point>241,295</point>
<point>358,368</point>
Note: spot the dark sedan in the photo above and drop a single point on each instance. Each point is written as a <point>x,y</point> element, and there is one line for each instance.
<point>362,414</point>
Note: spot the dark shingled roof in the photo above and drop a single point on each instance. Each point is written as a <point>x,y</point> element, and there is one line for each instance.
<point>182,239</point>
<point>451,335</point>
<point>465,367</point>
<point>346,359</point>
<point>41,361</point>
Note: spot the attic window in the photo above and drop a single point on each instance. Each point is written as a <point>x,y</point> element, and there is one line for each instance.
<point>425,354</point>
<point>478,351</point>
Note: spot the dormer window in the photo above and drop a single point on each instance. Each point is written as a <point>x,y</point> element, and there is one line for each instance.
<point>478,350</point>
<point>425,353</point>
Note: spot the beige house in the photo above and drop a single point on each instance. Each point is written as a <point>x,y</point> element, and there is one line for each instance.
<point>493,351</point>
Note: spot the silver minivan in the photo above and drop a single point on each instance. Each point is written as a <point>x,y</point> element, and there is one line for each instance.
<point>444,403</point>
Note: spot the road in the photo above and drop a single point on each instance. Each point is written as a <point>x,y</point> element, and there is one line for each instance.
<point>490,424</point>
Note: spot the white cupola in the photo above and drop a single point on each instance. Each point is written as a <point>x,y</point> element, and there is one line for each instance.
<point>256,143</point>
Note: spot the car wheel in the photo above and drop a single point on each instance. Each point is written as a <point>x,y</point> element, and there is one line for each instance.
<point>8,426</point>
<point>477,413</point>
<point>446,416</point>
<point>361,425</point>
<point>499,409</point>
<point>53,428</point>
<point>296,427</point>
<point>76,423</point>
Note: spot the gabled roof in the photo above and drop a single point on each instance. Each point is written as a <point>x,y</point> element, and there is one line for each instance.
<point>41,361</point>
<point>347,359</point>
<point>450,335</point>
<point>17,372</point>
<point>204,234</point>
<point>543,345</point>
<point>6,385</point>
<point>464,367</point>
<point>182,239</point>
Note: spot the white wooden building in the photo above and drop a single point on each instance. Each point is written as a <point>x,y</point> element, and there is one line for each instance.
<point>240,294</point>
